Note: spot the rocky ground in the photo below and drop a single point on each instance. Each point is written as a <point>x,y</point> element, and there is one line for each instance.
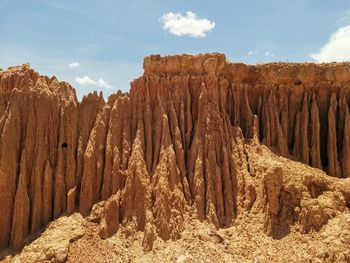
<point>77,239</point>
<point>70,239</point>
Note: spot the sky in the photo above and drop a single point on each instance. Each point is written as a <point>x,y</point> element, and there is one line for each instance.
<point>100,44</point>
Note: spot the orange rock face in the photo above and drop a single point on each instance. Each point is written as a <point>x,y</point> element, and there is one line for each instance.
<point>176,141</point>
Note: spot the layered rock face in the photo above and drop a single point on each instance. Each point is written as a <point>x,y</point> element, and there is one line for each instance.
<point>175,144</point>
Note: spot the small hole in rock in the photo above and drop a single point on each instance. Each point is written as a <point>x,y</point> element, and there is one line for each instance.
<point>298,82</point>
<point>64,145</point>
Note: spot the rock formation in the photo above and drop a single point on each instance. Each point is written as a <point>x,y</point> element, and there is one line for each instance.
<point>176,141</point>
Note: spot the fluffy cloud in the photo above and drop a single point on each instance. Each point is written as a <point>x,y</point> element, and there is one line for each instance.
<point>74,64</point>
<point>86,81</point>
<point>337,48</point>
<point>186,25</point>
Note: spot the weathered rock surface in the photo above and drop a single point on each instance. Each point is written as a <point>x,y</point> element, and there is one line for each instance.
<point>317,230</point>
<point>177,141</point>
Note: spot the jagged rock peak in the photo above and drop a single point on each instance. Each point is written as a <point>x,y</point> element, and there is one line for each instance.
<point>19,68</point>
<point>23,76</point>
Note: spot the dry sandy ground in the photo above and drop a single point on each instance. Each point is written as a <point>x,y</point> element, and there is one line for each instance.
<point>76,240</point>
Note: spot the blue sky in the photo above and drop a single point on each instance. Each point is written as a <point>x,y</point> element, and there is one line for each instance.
<point>100,45</point>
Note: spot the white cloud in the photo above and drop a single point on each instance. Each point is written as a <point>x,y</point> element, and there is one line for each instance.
<point>337,48</point>
<point>186,25</point>
<point>74,64</point>
<point>103,84</point>
<point>86,81</point>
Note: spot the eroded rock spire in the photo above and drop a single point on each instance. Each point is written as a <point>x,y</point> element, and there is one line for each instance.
<point>176,140</point>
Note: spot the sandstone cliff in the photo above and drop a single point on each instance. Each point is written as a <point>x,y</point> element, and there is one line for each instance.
<point>176,141</point>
